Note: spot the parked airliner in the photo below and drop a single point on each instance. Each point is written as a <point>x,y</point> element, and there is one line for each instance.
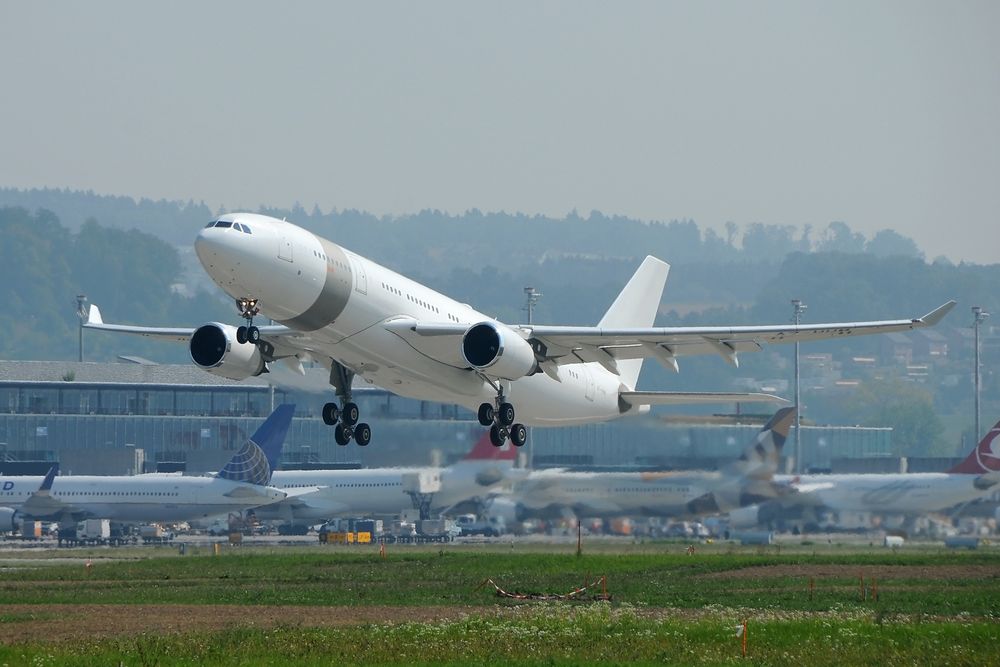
<point>240,485</point>
<point>683,494</point>
<point>358,318</point>
<point>384,491</point>
<point>909,494</point>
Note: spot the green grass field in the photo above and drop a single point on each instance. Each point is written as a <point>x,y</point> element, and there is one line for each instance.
<point>933,606</point>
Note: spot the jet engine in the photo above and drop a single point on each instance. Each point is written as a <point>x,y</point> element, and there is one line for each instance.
<point>498,351</point>
<point>745,517</point>
<point>214,348</point>
<point>10,520</point>
<point>509,510</point>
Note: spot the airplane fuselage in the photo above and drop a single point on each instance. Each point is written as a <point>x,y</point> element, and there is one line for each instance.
<point>140,498</point>
<point>912,493</point>
<point>342,300</point>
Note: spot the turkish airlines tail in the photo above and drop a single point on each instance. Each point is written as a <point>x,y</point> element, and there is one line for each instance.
<point>635,308</point>
<point>984,458</point>
<point>484,450</point>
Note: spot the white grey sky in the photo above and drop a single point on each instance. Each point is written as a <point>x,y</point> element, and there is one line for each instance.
<point>880,114</point>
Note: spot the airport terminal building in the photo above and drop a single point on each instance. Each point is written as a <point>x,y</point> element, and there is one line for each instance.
<point>134,416</point>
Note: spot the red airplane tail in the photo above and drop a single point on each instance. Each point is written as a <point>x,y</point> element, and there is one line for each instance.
<point>484,450</point>
<point>984,458</point>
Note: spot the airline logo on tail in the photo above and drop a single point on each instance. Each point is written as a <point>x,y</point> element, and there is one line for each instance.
<point>484,450</point>
<point>259,456</point>
<point>760,459</point>
<point>985,458</point>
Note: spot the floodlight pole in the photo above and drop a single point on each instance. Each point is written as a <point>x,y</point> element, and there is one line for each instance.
<point>978,318</point>
<point>532,296</point>
<point>81,311</point>
<point>797,309</point>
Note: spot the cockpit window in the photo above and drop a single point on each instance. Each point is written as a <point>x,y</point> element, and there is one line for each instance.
<point>246,229</point>
<point>224,223</point>
<point>211,224</point>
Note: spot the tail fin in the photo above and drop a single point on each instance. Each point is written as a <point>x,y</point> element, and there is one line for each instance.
<point>259,456</point>
<point>635,308</point>
<point>484,450</point>
<point>984,458</point>
<point>760,459</point>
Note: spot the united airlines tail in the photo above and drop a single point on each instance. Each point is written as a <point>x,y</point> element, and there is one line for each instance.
<point>984,458</point>
<point>259,456</point>
<point>635,308</point>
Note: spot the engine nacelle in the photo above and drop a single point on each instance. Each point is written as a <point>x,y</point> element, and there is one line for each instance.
<point>214,348</point>
<point>498,351</point>
<point>10,520</point>
<point>745,517</point>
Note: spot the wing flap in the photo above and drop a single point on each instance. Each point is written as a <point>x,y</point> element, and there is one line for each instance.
<point>695,397</point>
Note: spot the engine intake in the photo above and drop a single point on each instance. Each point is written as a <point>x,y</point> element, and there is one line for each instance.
<point>498,351</point>
<point>214,348</point>
<point>10,520</point>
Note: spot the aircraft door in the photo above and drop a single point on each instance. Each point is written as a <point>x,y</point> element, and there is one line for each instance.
<point>360,277</point>
<point>588,379</point>
<point>285,249</point>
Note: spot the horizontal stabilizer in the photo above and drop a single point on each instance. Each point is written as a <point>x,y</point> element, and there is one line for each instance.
<point>695,397</point>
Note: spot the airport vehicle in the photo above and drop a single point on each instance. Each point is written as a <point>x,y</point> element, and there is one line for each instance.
<point>358,318</point>
<point>325,494</point>
<point>239,485</point>
<point>490,526</point>
<point>559,493</point>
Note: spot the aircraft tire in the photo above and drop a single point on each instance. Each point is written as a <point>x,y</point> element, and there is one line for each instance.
<point>253,335</point>
<point>241,335</point>
<point>518,435</point>
<point>498,435</point>
<point>362,434</point>
<point>350,414</point>
<point>331,413</point>
<point>486,414</point>
<point>506,414</point>
<point>342,435</point>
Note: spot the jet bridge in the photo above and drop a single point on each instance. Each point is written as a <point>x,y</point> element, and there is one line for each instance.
<point>421,487</point>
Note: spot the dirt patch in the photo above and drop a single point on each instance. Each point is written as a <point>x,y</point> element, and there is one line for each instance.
<point>62,622</point>
<point>882,572</point>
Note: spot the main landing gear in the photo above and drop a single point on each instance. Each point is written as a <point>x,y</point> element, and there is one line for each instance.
<point>248,309</point>
<point>500,419</point>
<point>345,416</point>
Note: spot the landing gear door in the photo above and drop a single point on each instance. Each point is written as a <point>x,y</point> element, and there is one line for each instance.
<point>360,277</point>
<point>285,249</point>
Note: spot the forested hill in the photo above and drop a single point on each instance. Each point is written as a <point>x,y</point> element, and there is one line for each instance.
<point>132,269</point>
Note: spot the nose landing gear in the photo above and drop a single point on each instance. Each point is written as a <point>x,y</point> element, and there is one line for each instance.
<point>248,309</point>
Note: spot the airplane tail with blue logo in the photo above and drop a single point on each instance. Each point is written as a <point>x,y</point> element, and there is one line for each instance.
<point>259,456</point>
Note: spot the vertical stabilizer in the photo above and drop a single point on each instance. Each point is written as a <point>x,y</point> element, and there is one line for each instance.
<point>761,457</point>
<point>259,456</point>
<point>635,308</point>
<point>984,458</point>
<point>484,450</point>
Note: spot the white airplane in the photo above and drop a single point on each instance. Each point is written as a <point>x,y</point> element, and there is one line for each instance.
<point>683,494</point>
<point>381,491</point>
<point>909,494</point>
<point>240,485</point>
<point>358,318</point>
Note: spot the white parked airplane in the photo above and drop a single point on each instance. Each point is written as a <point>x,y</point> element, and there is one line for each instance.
<point>908,494</point>
<point>383,491</point>
<point>240,485</point>
<point>356,317</point>
<point>682,494</point>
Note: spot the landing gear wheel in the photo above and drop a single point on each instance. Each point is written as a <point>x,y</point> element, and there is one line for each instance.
<point>331,414</point>
<point>253,334</point>
<point>241,335</point>
<point>486,414</point>
<point>498,435</point>
<point>518,435</point>
<point>363,434</point>
<point>506,414</point>
<point>343,435</point>
<point>350,414</point>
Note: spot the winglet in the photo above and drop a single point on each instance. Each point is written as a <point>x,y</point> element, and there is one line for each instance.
<point>94,315</point>
<point>935,316</point>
